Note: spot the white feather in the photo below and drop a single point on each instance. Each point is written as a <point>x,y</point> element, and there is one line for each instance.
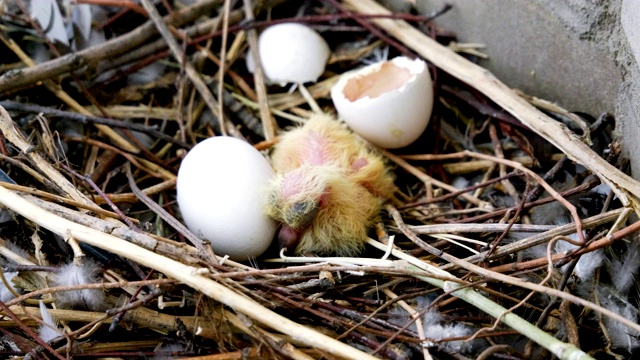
<point>436,328</point>
<point>5,293</point>
<point>47,330</point>
<point>549,214</point>
<point>536,252</point>
<point>81,18</point>
<point>625,272</point>
<point>147,74</point>
<point>588,263</point>
<point>438,332</point>
<point>620,335</point>
<point>460,182</point>
<point>72,275</point>
<point>18,254</point>
<point>16,250</point>
<point>602,189</point>
<point>430,317</point>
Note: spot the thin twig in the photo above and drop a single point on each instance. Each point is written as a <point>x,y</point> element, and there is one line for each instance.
<point>516,165</point>
<point>88,119</point>
<point>193,75</point>
<point>515,281</point>
<point>206,250</point>
<point>557,134</point>
<point>223,60</point>
<point>28,331</point>
<point>268,122</point>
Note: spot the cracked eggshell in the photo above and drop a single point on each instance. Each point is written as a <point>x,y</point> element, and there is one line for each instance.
<point>220,189</point>
<point>388,103</point>
<point>291,53</point>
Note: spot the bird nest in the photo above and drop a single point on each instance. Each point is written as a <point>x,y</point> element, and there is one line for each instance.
<point>509,234</point>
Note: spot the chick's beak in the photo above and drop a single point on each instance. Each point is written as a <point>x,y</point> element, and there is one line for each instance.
<point>288,238</point>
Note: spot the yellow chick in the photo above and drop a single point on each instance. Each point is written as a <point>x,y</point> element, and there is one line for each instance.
<point>328,189</point>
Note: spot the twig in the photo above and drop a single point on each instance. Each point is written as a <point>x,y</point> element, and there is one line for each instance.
<point>428,179</point>
<point>255,331</point>
<point>128,4</point>
<point>518,166</point>
<point>111,49</point>
<point>594,245</point>
<point>223,61</point>
<point>187,274</point>
<point>64,96</point>
<point>557,347</point>
<point>14,135</point>
<point>52,197</point>
<point>494,244</point>
<point>28,331</point>
<point>625,187</point>
<point>142,316</point>
<point>88,119</point>
<point>515,281</point>
<point>146,166</point>
<point>109,285</point>
<point>418,320</point>
<point>97,189</point>
<point>374,30</point>
<point>206,250</point>
<point>585,186</point>
<point>268,122</point>
<point>455,194</point>
<point>191,72</point>
<point>478,228</point>
<point>132,198</point>
<point>166,247</point>
<point>333,321</point>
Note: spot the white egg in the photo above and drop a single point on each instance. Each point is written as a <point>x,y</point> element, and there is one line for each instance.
<point>388,103</point>
<point>220,187</point>
<point>291,53</point>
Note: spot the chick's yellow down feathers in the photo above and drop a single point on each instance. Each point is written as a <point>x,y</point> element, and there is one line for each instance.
<point>328,189</point>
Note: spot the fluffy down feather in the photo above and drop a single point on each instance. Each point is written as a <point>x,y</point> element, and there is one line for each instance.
<point>48,331</point>
<point>328,189</point>
<point>5,293</point>
<point>619,334</point>
<point>71,275</point>
<point>625,270</point>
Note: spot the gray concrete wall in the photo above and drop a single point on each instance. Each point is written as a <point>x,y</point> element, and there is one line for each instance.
<point>579,53</point>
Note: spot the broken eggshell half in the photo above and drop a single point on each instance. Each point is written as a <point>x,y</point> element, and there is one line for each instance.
<point>388,103</point>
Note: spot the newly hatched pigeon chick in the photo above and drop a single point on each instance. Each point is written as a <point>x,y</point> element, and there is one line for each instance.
<point>328,189</point>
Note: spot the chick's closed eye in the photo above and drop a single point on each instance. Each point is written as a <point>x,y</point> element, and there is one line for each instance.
<point>301,214</point>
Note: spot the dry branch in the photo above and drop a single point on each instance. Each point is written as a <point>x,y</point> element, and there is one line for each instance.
<point>276,305</point>
<point>186,274</point>
<point>481,79</point>
<point>90,57</point>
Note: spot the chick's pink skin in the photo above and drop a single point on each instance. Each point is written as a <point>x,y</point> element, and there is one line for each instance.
<point>328,189</point>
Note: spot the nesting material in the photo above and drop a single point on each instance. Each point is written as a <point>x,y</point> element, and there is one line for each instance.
<point>455,254</point>
<point>48,331</point>
<point>73,274</point>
